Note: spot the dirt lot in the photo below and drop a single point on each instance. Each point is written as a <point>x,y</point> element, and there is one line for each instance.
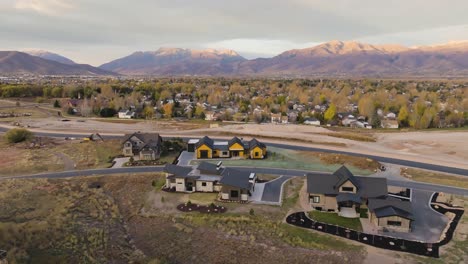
<point>55,155</point>
<point>437,147</point>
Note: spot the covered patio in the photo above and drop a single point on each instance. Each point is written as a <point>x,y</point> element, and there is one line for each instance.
<point>348,204</point>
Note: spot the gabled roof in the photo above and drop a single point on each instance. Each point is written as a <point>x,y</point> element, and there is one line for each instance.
<point>144,137</point>
<point>152,144</point>
<point>210,167</point>
<point>345,175</point>
<point>235,140</point>
<point>178,171</point>
<point>390,207</point>
<point>369,187</point>
<point>236,178</point>
<point>206,141</point>
<point>254,143</point>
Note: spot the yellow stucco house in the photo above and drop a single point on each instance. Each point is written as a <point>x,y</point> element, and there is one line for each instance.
<point>207,148</point>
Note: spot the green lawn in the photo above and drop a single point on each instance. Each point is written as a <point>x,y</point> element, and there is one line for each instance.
<point>290,159</point>
<point>335,219</point>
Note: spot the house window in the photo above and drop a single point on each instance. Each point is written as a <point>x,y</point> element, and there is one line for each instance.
<point>225,153</point>
<point>394,223</point>
<point>257,154</point>
<point>347,189</point>
<point>315,199</point>
<point>203,184</point>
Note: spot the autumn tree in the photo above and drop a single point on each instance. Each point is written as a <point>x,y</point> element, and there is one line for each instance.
<point>168,110</point>
<point>148,112</point>
<point>366,106</point>
<point>403,116</point>
<point>330,113</point>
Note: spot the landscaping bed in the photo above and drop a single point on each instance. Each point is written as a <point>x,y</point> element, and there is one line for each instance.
<point>137,163</point>
<point>206,209</point>
<point>335,219</point>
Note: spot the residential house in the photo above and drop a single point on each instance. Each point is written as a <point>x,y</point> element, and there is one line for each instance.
<point>143,146</point>
<point>206,148</point>
<point>312,121</point>
<point>126,114</point>
<point>391,116</point>
<point>232,184</point>
<point>284,120</point>
<point>387,123</point>
<point>344,193</point>
<point>212,116</point>
<point>276,118</point>
<point>391,213</point>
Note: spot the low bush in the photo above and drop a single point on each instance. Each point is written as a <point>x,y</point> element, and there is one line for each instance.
<point>17,135</point>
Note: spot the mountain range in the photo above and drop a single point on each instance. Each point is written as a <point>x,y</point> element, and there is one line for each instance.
<point>50,56</point>
<point>331,59</point>
<point>15,62</point>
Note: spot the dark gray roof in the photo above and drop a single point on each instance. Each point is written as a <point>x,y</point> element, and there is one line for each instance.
<point>348,197</point>
<point>321,183</point>
<point>392,211</point>
<point>210,168</point>
<point>390,207</point>
<point>207,141</point>
<point>372,187</point>
<point>345,175</point>
<point>368,187</point>
<point>178,171</point>
<point>254,142</point>
<point>220,147</point>
<point>236,178</point>
<point>235,140</point>
<point>145,137</point>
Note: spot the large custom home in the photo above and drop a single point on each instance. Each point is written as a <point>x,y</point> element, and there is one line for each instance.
<point>344,193</point>
<point>234,185</point>
<point>143,146</point>
<point>207,148</point>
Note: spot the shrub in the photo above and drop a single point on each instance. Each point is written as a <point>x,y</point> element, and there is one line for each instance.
<point>108,112</point>
<point>17,135</point>
<point>251,212</point>
<point>57,104</point>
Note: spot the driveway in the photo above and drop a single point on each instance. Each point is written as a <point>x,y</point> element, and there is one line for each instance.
<point>119,162</point>
<point>428,224</point>
<point>273,190</point>
<point>185,158</point>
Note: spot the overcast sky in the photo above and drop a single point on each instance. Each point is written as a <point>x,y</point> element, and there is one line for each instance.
<point>97,31</point>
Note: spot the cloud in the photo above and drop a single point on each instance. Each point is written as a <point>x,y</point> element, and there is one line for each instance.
<point>51,7</point>
<point>96,30</point>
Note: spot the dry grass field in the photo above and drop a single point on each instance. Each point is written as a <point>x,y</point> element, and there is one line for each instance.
<point>122,219</point>
<point>55,155</point>
<point>435,177</point>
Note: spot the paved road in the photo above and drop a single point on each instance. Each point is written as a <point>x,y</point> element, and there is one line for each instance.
<point>406,163</point>
<point>272,192</point>
<point>285,172</point>
<point>428,224</point>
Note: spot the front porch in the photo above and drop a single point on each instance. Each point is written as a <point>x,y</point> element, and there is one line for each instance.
<point>348,205</point>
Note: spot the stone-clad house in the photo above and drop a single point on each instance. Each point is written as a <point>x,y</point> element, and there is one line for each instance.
<point>345,194</point>
<point>232,184</point>
<point>142,146</point>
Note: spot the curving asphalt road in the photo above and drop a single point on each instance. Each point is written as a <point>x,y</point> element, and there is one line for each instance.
<point>275,171</point>
<point>406,163</point>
